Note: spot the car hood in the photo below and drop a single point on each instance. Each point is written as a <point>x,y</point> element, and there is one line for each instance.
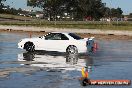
<point>31,39</point>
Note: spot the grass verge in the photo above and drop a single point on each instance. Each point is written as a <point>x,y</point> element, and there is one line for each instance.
<point>24,21</point>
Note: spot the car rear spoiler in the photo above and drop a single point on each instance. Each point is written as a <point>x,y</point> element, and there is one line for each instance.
<point>91,38</point>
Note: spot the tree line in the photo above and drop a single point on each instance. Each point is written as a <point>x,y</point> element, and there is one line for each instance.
<point>7,9</point>
<point>1,5</point>
<point>76,9</point>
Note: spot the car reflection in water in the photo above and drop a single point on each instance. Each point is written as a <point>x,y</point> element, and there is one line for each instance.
<point>55,60</point>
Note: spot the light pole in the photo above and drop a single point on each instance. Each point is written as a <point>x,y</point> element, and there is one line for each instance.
<point>110,12</point>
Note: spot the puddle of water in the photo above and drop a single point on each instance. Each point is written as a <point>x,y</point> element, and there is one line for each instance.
<point>69,62</point>
<point>113,60</point>
<point>8,46</point>
<point>2,66</point>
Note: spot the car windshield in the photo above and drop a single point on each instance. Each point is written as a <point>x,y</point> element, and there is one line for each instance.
<point>75,36</point>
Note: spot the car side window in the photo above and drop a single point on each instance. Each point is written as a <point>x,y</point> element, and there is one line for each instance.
<point>49,37</point>
<point>56,36</point>
<point>75,36</point>
<point>63,37</point>
<point>53,36</point>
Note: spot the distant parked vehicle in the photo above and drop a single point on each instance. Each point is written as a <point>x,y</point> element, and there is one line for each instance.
<point>57,41</point>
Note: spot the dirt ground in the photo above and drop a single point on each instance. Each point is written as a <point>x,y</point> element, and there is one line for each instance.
<point>84,35</point>
<point>107,37</point>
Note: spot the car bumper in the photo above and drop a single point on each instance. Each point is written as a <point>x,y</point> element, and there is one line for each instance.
<point>20,45</point>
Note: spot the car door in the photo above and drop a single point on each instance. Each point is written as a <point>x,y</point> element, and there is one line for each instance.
<point>54,42</point>
<point>62,43</point>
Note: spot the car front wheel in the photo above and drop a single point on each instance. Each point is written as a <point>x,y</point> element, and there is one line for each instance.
<point>29,46</point>
<point>72,50</point>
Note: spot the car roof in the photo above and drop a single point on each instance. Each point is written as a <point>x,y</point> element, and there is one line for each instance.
<point>61,32</point>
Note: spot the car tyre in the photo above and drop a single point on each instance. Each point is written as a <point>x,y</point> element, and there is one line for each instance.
<point>72,50</point>
<point>29,46</point>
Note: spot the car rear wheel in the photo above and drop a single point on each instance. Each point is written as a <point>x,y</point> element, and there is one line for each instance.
<point>29,46</point>
<point>72,50</point>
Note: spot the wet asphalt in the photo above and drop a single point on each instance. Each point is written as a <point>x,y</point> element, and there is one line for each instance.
<point>113,60</point>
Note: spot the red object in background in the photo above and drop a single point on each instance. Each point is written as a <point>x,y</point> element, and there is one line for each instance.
<point>88,18</point>
<point>95,47</point>
<point>30,35</point>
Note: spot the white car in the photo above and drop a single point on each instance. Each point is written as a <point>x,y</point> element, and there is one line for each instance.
<point>57,41</point>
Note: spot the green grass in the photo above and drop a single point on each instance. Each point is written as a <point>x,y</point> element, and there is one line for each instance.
<point>66,24</point>
<point>9,16</point>
<point>74,25</point>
